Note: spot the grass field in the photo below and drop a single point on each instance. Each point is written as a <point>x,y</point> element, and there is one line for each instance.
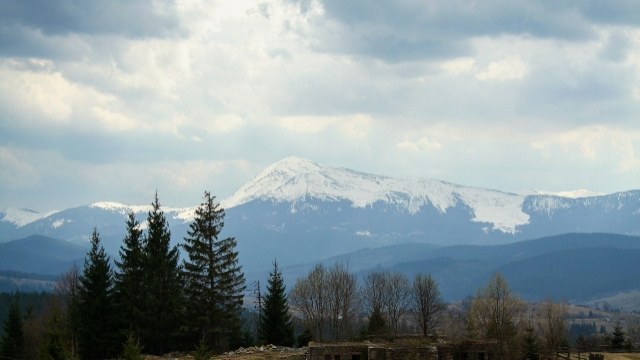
<point>607,356</point>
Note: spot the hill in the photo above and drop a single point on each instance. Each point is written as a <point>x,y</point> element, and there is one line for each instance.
<point>40,255</point>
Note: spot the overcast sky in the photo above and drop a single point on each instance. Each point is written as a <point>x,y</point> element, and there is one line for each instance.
<point>112,100</point>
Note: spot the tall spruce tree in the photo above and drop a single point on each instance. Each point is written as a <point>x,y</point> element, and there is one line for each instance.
<point>95,307</point>
<point>275,321</point>
<point>129,280</point>
<point>214,282</point>
<point>12,342</point>
<point>162,285</point>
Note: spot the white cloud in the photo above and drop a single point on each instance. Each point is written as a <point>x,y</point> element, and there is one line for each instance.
<point>15,171</point>
<point>421,144</point>
<point>512,68</point>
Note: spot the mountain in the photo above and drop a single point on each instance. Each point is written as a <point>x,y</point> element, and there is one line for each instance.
<point>40,254</point>
<point>298,211</point>
<point>576,267</point>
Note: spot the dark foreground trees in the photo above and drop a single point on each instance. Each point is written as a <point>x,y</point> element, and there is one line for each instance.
<point>163,299</point>
<point>129,280</point>
<point>214,282</point>
<point>275,325</point>
<point>12,342</point>
<point>96,325</point>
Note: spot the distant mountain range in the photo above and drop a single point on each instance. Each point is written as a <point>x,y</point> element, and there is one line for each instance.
<point>300,212</point>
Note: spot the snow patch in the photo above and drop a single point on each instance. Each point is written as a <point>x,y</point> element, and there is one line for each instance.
<point>184,214</point>
<point>58,223</point>
<point>22,217</point>
<point>570,194</point>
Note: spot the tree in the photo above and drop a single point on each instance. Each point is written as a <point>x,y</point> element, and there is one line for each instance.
<point>495,313</point>
<point>214,282</point>
<point>341,290</point>
<point>68,289</point>
<point>617,337</point>
<point>427,303</point>
<point>377,326</point>
<point>12,342</point>
<point>163,286</point>
<point>309,297</point>
<point>56,340</point>
<point>552,328</point>
<point>275,321</point>
<point>129,279</point>
<point>96,326</point>
<point>396,299</point>
<point>388,292</point>
<point>530,344</point>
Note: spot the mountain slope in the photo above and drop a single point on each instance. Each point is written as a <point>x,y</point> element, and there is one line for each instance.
<point>40,254</point>
<point>575,267</point>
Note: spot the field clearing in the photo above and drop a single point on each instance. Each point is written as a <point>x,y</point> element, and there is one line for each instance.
<point>607,356</point>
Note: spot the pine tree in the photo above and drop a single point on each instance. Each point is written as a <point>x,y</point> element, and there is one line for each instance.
<point>377,325</point>
<point>275,320</point>
<point>12,342</point>
<point>129,278</point>
<point>55,345</point>
<point>96,326</point>
<point>163,287</point>
<point>214,282</point>
<point>617,337</point>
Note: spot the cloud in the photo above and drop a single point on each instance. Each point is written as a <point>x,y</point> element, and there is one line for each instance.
<point>135,18</point>
<point>508,69</point>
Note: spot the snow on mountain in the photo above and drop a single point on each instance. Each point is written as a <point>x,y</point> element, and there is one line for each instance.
<point>21,217</point>
<point>184,214</point>
<point>571,194</point>
<point>294,179</point>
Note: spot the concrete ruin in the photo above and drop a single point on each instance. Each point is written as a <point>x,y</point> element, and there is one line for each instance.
<point>401,350</point>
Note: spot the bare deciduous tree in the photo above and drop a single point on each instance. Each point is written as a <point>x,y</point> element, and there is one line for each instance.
<point>396,299</point>
<point>552,328</point>
<point>342,300</point>
<point>496,314</point>
<point>309,297</point>
<point>427,304</point>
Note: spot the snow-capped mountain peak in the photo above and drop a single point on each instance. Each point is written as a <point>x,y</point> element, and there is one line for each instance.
<point>294,179</point>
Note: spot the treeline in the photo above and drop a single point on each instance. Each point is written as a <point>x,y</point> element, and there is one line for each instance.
<point>332,306</point>
<point>151,302</point>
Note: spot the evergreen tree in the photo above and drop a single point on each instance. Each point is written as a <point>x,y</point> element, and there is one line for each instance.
<point>275,322</point>
<point>617,337</point>
<point>129,278</point>
<point>377,325</point>
<point>12,342</point>
<point>214,282</point>
<point>162,285</point>
<point>96,326</point>
<point>56,336</point>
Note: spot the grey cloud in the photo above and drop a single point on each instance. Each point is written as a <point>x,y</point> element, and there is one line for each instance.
<point>397,31</point>
<point>616,48</point>
<point>576,96</point>
<point>128,18</point>
<point>621,12</point>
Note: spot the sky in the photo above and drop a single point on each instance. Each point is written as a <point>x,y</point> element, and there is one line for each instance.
<point>115,100</point>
